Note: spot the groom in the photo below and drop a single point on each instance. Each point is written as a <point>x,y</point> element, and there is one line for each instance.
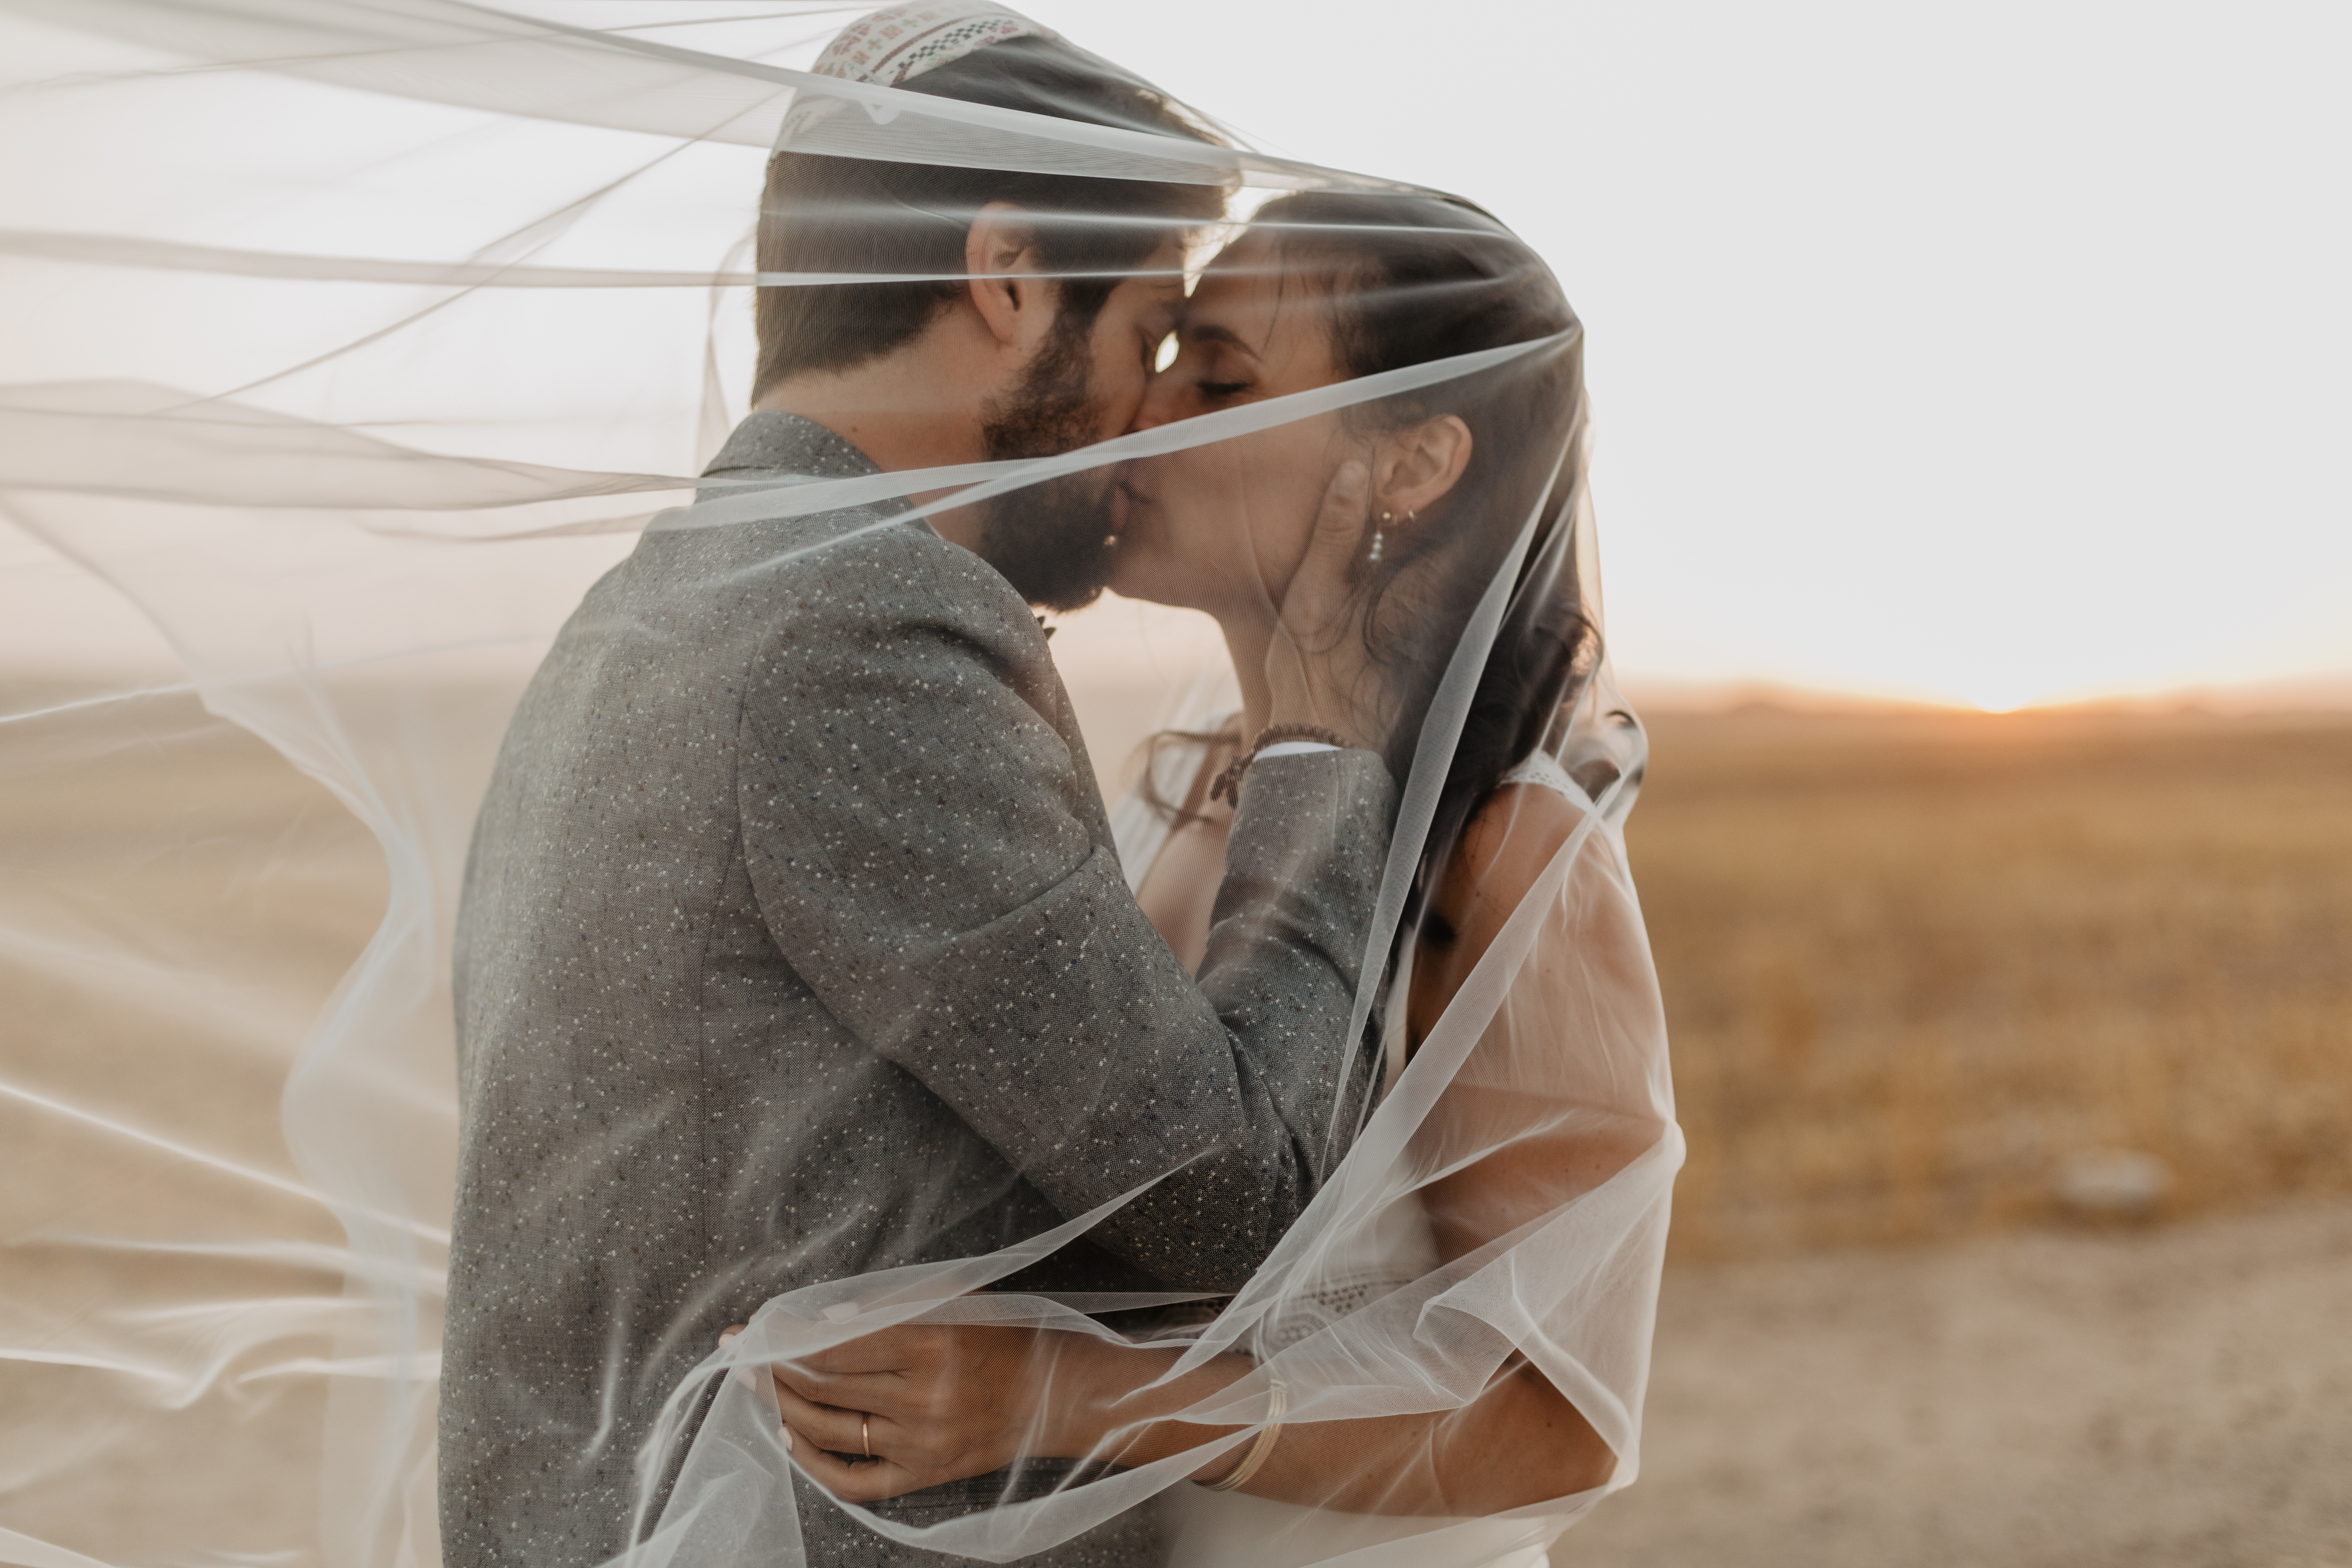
<point>793,944</point>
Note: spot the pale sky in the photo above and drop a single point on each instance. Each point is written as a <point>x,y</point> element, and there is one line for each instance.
<point>1981,354</point>
<point>1985,353</point>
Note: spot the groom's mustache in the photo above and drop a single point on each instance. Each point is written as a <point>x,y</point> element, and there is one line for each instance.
<point>1053,540</point>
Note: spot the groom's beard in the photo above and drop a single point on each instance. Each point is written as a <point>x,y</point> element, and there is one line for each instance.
<point>1049,539</point>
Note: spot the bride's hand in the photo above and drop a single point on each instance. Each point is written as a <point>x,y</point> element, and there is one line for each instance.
<point>1317,669</point>
<point>937,1403</point>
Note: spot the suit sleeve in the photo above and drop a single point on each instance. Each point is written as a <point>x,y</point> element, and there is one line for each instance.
<point>917,833</point>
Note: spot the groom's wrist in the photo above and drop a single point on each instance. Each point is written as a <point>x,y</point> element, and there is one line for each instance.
<point>1274,743</point>
<point>1313,722</point>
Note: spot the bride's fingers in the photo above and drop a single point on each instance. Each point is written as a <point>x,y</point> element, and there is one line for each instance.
<point>748,1377</point>
<point>834,1388</point>
<point>830,1425</point>
<point>896,1348</point>
<point>876,1392</point>
<point>851,1481</point>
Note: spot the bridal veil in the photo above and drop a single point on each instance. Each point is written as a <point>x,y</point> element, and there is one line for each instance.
<point>349,340</point>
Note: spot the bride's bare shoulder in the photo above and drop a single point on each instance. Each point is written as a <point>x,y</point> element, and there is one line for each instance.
<point>1506,846</point>
<point>1508,841</point>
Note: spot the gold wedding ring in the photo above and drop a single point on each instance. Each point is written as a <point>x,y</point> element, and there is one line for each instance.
<point>865,1434</point>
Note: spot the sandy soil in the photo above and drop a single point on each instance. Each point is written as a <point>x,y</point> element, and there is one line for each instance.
<point>2173,1398</point>
<point>2176,1398</point>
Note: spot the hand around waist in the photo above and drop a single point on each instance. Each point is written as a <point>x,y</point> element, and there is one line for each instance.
<point>923,1404</point>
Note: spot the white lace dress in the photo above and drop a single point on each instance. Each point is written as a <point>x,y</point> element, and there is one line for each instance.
<point>1217,1530</point>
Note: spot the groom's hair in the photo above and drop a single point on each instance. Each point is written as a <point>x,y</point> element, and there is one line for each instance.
<point>825,214</point>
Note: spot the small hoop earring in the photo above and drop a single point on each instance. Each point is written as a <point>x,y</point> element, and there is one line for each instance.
<point>1386,517</point>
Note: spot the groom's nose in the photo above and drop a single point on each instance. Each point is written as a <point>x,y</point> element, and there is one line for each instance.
<point>1158,405</point>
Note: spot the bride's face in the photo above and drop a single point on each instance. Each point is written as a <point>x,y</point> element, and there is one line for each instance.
<point>1222,527</point>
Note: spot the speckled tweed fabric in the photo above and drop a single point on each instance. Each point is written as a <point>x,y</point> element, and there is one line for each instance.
<point>792,945</point>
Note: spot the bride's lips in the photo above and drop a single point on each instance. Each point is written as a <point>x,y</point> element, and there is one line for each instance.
<point>1126,500</point>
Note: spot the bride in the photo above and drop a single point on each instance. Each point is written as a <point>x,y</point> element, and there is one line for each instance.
<point>1521,951</point>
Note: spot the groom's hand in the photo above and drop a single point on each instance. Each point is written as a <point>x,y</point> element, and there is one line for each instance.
<point>1319,668</point>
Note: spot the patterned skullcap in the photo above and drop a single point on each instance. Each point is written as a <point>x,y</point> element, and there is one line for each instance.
<point>891,47</point>
<point>899,42</point>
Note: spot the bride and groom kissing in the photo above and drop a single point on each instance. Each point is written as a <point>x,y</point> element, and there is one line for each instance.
<point>796,942</point>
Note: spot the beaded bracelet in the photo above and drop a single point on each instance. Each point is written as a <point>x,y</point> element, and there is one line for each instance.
<point>1228,785</point>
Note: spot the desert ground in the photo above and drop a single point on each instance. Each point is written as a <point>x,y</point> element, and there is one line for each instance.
<point>1922,971</point>
<point>2174,1397</point>
<point>1916,965</point>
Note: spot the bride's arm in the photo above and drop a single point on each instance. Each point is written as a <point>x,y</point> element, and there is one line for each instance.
<point>1549,1093</point>
<point>941,1403</point>
<point>1518,1443</point>
<point>949,1403</point>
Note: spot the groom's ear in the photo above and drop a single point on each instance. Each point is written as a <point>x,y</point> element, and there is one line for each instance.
<point>1000,255</point>
<point>1413,468</point>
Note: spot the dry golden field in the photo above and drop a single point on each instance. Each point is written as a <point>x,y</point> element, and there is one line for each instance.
<point>1913,963</point>
<point>176,906</point>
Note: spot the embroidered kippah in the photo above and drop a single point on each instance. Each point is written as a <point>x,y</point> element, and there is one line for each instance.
<point>898,43</point>
<point>893,46</point>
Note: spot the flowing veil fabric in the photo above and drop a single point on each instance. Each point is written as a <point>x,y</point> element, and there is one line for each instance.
<point>349,342</point>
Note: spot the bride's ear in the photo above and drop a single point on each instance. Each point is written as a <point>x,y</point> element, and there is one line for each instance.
<point>1413,468</point>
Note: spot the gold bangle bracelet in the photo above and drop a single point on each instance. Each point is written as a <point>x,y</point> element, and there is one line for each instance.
<point>1277,1400</point>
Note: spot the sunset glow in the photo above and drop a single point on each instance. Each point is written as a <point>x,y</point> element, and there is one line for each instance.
<point>2030,423</point>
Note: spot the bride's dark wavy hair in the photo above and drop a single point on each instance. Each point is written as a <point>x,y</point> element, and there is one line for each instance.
<point>1406,280</point>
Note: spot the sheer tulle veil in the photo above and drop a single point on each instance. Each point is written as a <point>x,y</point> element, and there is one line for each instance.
<point>351,342</point>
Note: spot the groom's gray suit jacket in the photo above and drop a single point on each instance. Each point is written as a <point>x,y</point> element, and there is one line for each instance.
<point>793,946</point>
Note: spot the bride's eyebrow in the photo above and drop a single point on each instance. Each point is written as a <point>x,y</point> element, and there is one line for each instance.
<point>1211,332</point>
